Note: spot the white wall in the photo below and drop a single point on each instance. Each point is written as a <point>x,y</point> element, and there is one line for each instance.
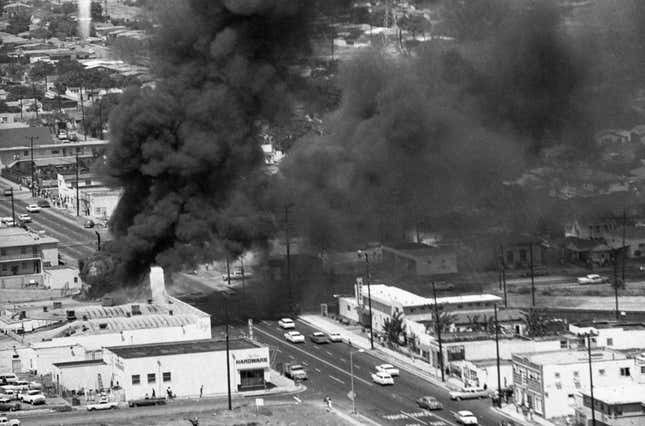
<point>83,376</point>
<point>348,308</point>
<point>63,278</point>
<point>186,379</point>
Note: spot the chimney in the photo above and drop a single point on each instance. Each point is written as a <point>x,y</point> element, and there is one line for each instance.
<point>157,285</point>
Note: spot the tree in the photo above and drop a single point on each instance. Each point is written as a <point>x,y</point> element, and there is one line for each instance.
<point>40,70</point>
<point>394,329</point>
<point>445,320</point>
<point>535,321</point>
<point>96,116</point>
<point>18,24</point>
<point>96,12</point>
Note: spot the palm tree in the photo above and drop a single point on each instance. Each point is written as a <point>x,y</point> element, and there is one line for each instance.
<point>535,322</point>
<point>445,320</point>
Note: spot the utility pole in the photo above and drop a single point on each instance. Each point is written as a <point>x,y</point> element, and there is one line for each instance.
<point>500,267</point>
<point>438,330</point>
<point>503,265</point>
<point>78,200</point>
<point>288,244</point>
<point>532,274</point>
<point>369,292</point>
<point>593,410</point>
<point>98,240</point>
<point>616,284</point>
<point>33,168</point>
<point>83,116</point>
<point>33,92</point>
<point>101,118</point>
<point>499,376</point>
<point>228,271</point>
<point>242,271</point>
<point>228,356</point>
<point>623,250</point>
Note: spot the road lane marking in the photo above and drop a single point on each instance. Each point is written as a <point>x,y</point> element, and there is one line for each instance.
<point>305,364</point>
<point>259,330</point>
<point>343,360</point>
<point>298,400</point>
<point>318,370</point>
<point>356,367</point>
<point>402,415</point>
<point>413,417</point>
<point>291,356</point>
<point>329,353</point>
<point>336,379</point>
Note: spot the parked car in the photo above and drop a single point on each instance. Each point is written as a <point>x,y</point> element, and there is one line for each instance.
<point>32,208</point>
<point>319,338</point>
<point>335,337</point>
<point>43,203</point>
<point>593,279</point>
<point>103,404</point>
<point>88,224</point>
<point>388,368</point>
<point>429,403</point>
<point>286,323</point>
<point>465,417</point>
<point>8,220</point>
<point>146,402</point>
<point>4,421</point>
<point>34,397</point>
<point>25,218</point>
<point>10,406</point>
<point>294,337</point>
<point>4,398</point>
<point>8,392</point>
<point>295,371</point>
<point>8,379</point>
<point>469,393</point>
<point>382,378</point>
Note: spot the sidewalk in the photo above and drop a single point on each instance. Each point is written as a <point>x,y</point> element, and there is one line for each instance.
<point>416,367</point>
<point>510,411</point>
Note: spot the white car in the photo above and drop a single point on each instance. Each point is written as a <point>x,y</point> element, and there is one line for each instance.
<point>33,208</point>
<point>592,279</point>
<point>382,378</point>
<point>4,421</point>
<point>8,221</point>
<point>469,393</point>
<point>24,217</point>
<point>465,417</point>
<point>388,368</point>
<point>103,404</point>
<point>286,323</point>
<point>335,337</point>
<point>34,397</point>
<point>294,337</point>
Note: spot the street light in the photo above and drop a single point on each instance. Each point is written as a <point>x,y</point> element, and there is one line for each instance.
<point>362,253</point>
<point>351,371</point>
<point>588,335</point>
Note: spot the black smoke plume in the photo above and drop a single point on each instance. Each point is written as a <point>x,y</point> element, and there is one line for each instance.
<point>184,152</point>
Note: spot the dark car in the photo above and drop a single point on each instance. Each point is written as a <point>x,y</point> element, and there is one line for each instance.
<point>43,203</point>
<point>8,406</point>
<point>429,403</point>
<point>147,402</point>
<point>88,224</point>
<point>318,337</point>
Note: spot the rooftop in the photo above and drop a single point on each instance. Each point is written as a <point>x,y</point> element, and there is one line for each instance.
<point>418,249</point>
<point>180,348</point>
<point>628,394</point>
<point>19,136</point>
<point>609,324</point>
<point>570,356</point>
<point>85,362</point>
<point>18,237</point>
<point>391,294</point>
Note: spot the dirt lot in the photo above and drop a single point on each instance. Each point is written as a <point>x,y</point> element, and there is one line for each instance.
<point>284,415</point>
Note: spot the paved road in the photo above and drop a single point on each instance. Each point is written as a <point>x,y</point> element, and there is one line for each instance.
<point>75,241</point>
<point>329,374</point>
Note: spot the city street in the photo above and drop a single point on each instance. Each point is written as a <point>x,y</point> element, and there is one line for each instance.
<point>329,374</point>
<point>75,241</point>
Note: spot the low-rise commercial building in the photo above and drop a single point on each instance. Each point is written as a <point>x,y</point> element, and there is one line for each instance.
<point>23,255</point>
<point>547,382</point>
<point>421,259</point>
<point>154,368</point>
<point>613,406</point>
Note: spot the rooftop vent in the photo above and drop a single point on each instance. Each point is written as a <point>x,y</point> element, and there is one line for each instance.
<point>58,305</point>
<point>136,310</point>
<point>71,315</point>
<point>103,325</point>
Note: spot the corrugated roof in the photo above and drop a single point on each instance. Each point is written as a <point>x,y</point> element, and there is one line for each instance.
<point>116,324</point>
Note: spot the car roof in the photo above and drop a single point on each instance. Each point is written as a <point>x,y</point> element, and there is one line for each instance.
<point>386,365</point>
<point>429,397</point>
<point>465,413</point>
<point>318,333</point>
<point>286,319</point>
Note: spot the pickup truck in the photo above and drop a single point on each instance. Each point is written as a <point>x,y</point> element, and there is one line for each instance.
<point>592,279</point>
<point>146,401</point>
<point>295,371</point>
<point>103,404</point>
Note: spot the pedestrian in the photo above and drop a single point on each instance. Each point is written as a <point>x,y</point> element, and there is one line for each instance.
<point>154,394</point>
<point>201,391</point>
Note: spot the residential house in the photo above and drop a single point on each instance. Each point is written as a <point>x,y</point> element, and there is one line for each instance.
<point>587,252</point>
<point>420,259</point>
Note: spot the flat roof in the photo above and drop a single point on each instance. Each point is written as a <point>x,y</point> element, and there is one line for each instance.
<point>571,356</point>
<point>389,294</point>
<point>627,394</point>
<point>85,362</point>
<point>18,237</point>
<point>180,348</point>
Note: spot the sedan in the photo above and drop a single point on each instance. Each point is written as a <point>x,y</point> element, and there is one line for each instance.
<point>335,337</point>
<point>294,337</point>
<point>24,218</point>
<point>382,378</point>
<point>286,323</point>
<point>465,417</point>
<point>318,337</point>
<point>33,208</point>
<point>44,203</point>
<point>88,224</point>
<point>388,368</point>
<point>429,403</point>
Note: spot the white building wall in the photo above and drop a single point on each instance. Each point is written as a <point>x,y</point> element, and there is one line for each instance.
<point>75,378</point>
<point>348,308</point>
<point>185,379</point>
<point>63,278</point>
<point>50,254</point>
<point>43,358</point>
<point>559,392</point>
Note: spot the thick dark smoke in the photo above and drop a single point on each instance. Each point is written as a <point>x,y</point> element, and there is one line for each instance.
<point>184,153</point>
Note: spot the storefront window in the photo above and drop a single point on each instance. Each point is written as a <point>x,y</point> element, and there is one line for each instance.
<point>251,378</point>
